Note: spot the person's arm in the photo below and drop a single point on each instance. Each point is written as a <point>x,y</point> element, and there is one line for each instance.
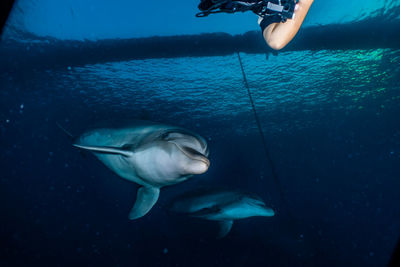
<point>278,35</point>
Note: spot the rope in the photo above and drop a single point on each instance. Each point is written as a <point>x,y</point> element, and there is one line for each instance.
<point>267,154</point>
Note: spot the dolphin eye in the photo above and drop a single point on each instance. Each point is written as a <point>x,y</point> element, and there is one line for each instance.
<point>165,135</point>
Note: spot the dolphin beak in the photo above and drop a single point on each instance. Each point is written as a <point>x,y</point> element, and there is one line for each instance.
<point>206,161</point>
<point>196,155</point>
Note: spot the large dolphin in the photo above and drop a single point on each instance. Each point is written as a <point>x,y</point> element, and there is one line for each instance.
<point>220,205</point>
<point>149,154</point>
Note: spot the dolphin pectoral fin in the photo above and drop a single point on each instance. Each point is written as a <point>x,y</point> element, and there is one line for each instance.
<point>145,199</point>
<point>224,228</point>
<point>107,150</point>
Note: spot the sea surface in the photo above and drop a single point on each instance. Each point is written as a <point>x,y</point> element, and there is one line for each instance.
<point>331,124</point>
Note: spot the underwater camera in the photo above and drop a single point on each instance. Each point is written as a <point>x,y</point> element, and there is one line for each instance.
<point>282,8</point>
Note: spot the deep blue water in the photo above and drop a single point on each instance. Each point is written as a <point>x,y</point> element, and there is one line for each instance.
<point>330,118</point>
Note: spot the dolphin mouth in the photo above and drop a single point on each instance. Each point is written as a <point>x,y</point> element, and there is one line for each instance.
<point>193,154</point>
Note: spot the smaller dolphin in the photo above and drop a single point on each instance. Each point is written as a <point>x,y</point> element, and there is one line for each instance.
<point>222,206</point>
<point>150,154</point>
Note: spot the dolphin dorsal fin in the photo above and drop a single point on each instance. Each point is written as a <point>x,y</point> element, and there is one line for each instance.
<point>146,197</point>
<point>224,228</point>
<point>123,151</point>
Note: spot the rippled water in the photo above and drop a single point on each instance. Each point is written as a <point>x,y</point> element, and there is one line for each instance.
<point>211,89</point>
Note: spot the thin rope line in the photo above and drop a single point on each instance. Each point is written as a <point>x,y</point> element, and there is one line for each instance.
<point>267,154</point>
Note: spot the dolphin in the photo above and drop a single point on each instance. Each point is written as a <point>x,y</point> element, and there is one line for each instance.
<point>150,154</point>
<point>220,205</point>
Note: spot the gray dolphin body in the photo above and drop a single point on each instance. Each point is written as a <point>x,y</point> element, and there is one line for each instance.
<point>149,154</point>
<point>221,206</point>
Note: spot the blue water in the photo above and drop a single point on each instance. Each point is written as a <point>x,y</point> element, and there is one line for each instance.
<point>102,19</point>
<point>330,119</point>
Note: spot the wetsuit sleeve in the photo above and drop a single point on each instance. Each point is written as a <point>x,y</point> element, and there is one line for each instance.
<point>267,20</point>
<point>205,5</point>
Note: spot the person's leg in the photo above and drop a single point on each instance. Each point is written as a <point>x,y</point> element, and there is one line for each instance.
<point>278,35</point>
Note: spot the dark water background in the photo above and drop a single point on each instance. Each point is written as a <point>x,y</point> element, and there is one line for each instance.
<point>330,119</point>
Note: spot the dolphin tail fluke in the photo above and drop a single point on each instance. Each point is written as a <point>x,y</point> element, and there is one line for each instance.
<point>224,228</point>
<point>145,199</point>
